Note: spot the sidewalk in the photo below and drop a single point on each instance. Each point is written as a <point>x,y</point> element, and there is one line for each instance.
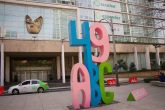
<point>62,100</point>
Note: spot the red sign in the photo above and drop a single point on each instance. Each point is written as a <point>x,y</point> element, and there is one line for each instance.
<point>1,90</point>
<point>133,80</point>
<point>111,82</point>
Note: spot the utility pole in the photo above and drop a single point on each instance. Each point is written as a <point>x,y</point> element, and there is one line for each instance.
<point>114,50</point>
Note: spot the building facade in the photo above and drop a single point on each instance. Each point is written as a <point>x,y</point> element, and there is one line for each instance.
<point>139,34</point>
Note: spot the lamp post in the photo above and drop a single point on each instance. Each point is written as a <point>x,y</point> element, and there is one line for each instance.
<point>110,22</point>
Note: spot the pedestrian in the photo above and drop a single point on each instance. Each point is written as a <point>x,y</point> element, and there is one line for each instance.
<point>162,77</point>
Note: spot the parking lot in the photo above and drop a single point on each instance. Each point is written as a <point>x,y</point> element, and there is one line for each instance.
<point>62,100</point>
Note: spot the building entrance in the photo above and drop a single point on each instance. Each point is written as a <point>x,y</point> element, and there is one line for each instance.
<point>32,68</point>
<point>21,75</point>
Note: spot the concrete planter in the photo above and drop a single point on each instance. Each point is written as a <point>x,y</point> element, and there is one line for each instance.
<point>141,74</point>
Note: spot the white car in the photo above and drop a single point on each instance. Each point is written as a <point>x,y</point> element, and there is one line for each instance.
<point>27,86</point>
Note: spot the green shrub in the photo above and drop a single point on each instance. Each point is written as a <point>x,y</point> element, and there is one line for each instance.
<point>149,79</point>
<point>163,66</point>
<point>132,67</point>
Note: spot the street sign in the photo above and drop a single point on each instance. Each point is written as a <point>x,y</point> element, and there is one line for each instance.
<point>111,82</point>
<point>133,80</point>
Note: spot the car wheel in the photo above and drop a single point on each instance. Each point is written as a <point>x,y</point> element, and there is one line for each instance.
<point>15,92</point>
<point>40,90</point>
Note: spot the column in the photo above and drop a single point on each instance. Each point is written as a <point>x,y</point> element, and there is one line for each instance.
<point>147,57</point>
<point>7,69</point>
<point>157,56</point>
<point>63,62</point>
<point>136,58</point>
<point>58,67</point>
<point>2,64</point>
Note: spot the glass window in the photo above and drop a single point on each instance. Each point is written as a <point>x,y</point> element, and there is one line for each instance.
<point>123,7</point>
<point>1,9</point>
<point>137,31</point>
<point>34,82</point>
<point>141,61</point>
<point>124,18</point>
<point>26,83</point>
<point>150,32</point>
<point>84,3</point>
<point>126,30</point>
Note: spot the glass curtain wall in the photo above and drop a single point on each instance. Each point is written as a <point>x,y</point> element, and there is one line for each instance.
<point>145,20</point>
<point>55,21</point>
<point>141,19</point>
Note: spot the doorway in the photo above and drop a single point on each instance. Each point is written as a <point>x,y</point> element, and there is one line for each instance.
<point>33,68</point>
